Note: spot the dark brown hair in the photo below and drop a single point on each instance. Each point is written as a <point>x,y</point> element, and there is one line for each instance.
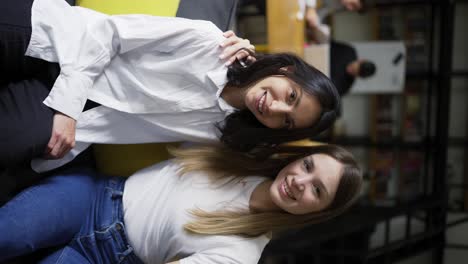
<point>241,131</point>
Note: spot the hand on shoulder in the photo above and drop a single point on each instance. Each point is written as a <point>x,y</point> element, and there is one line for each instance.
<point>234,48</point>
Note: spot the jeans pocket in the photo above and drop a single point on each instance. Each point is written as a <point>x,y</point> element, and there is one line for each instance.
<point>107,245</point>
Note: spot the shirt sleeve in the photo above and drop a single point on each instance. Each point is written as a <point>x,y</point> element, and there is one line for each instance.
<point>85,48</point>
<point>311,3</point>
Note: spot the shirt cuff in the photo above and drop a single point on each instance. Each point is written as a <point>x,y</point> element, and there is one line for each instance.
<point>311,3</point>
<point>69,93</point>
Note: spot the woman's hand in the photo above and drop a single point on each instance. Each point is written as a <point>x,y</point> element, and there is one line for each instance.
<point>63,136</point>
<point>312,18</point>
<point>232,48</point>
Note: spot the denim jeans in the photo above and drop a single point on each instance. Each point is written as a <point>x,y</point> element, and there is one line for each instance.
<point>77,210</point>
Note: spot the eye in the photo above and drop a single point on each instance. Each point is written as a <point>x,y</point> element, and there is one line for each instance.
<point>292,96</point>
<point>306,165</point>
<point>317,191</point>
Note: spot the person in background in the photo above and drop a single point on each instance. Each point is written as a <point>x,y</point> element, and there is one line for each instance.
<point>317,19</point>
<point>314,16</point>
<point>345,66</point>
<point>210,205</point>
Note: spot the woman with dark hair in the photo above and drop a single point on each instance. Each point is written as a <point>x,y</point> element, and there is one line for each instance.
<point>154,79</point>
<point>203,207</point>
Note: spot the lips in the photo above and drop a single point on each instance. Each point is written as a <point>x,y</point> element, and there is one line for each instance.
<point>284,189</point>
<point>261,103</point>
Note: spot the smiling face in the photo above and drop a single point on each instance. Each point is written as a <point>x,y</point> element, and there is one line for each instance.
<point>278,102</point>
<point>307,185</point>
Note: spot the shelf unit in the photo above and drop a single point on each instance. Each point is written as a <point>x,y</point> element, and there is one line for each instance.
<point>347,239</point>
<point>459,143</point>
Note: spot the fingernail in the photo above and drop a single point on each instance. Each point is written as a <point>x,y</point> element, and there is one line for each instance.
<point>221,56</point>
<point>227,63</point>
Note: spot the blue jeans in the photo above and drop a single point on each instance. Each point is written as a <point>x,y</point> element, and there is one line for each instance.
<point>77,210</point>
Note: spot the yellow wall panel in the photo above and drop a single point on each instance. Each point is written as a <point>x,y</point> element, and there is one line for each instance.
<point>149,7</point>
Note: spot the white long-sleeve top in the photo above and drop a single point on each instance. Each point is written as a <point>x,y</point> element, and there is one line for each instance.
<point>158,79</point>
<point>156,204</point>
<point>311,3</point>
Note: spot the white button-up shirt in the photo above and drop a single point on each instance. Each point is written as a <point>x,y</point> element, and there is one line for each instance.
<point>158,79</point>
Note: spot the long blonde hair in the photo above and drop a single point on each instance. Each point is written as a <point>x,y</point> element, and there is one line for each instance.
<point>220,162</point>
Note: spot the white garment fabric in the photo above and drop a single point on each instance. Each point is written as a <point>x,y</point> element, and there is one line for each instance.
<point>303,5</point>
<point>311,3</point>
<point>158,79</point>
<point>156,204</point>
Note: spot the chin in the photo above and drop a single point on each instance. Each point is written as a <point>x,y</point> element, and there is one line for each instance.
<point>263,123</point>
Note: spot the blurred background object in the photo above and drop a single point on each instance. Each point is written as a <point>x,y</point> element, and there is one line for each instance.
<point>406,122</point>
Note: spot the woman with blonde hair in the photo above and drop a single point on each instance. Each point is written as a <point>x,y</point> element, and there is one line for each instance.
<point>204,206</point>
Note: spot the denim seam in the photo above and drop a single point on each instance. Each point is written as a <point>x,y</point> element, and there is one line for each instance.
<point>60,258</point>
<point>114,192</point>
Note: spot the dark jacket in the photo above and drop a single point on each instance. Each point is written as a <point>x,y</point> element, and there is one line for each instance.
<point>341,55</point>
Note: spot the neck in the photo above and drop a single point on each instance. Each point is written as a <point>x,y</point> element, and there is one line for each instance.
<point>260,200</point>
<point>234,96</point>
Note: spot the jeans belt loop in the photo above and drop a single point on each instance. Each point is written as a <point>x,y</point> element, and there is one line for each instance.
<point>116,194</point>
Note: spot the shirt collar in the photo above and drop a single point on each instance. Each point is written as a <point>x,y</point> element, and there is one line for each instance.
<point>219,78</point>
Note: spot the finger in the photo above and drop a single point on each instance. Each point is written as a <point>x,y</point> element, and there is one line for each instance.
<point>60,150</point>
<point>227,52</point>
<point>51,143</point>
<point>230,41</point>
<point>70,145</point>
<point>234,40</point>
<point>243,44</point>
<point>234,49</point>
<point>64,149</point>
<point>251,59</point>
<point>229,33</point>
<point>230,61</point>
<point>54,154</point>
<point>241,55</point>
<point>233,54</point>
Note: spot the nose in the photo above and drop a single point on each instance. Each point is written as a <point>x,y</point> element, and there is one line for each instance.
<point>298,182</point>
<point>279,107</point>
